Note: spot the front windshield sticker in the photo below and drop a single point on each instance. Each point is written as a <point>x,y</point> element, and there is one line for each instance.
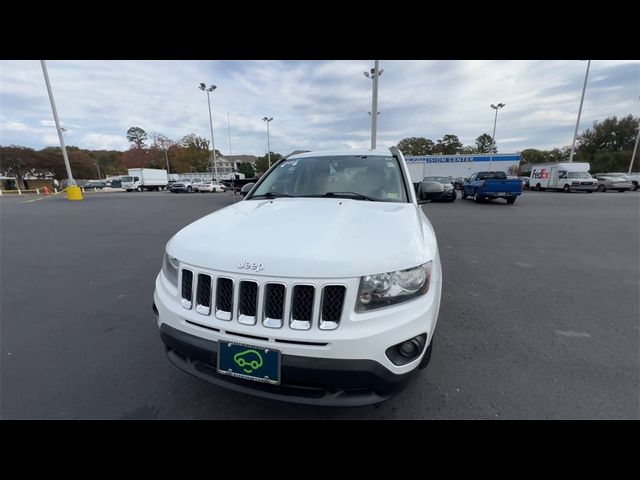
<point>393,196</point>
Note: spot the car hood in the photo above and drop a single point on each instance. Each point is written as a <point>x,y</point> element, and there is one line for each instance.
<point>308,238</point>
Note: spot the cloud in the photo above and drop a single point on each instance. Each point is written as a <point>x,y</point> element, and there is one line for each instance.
<point>315,104</point>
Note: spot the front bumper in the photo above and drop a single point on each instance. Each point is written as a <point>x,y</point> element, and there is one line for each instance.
<point>447,195</point>
<point>305,380</point>
<point>346,366</point>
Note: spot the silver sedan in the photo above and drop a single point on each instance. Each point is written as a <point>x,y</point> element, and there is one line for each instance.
<point>613,183</point>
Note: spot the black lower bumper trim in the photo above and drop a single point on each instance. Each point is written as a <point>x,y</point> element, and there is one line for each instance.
<point>305,380</point>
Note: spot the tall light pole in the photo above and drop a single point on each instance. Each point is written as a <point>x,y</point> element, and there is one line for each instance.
<point>268,120</point>
<point>575,133</point>
<point>374,75</point>
<point>210,89</point>
<point>73,191</point>
<point>635,149</point>
<point>493,137</point>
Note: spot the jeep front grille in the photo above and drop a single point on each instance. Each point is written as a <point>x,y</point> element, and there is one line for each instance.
<point>249,302</point>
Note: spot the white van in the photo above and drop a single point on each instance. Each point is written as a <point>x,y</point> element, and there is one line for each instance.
<point>562,176</point>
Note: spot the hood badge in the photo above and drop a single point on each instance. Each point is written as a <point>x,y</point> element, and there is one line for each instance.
<point>248,265</point>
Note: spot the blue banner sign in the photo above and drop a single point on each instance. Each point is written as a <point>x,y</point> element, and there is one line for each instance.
<point>464,158</point>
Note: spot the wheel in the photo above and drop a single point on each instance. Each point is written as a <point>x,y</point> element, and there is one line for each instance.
<point>427,356</point>
<point>636,186</point>
<point>566,189</point>
<point>511,200</point>
<point>602,188</point>
<point>464,195</point>
<point>477,198</point>
<point>621,190</point>
<point>189,189</point>
<point>538,187</point>
<point>139,189</point>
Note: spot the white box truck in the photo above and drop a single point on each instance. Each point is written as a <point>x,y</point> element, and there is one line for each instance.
<point>145,179</point>
<point>562,176</point>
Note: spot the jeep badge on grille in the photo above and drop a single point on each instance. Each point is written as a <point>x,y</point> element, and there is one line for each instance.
<point>246,264</point>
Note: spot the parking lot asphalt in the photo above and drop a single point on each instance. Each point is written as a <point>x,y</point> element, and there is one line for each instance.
<point>539,318</point>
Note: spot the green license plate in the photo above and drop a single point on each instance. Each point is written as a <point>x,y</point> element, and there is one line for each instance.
<point>249,362</point>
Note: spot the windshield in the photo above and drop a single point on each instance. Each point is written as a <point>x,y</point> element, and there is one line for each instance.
<point>579,175</point>
<point>126,179</point>
<point>352,176</point>
<point>438,179</point>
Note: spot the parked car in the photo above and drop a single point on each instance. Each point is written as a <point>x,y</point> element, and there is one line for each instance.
<point>634,178</point>
<point>525,182</point>
<point>182,186</point>
<point>612,182</point>
<point>458,182</point>
<point>196,183</point>
<point>211,187</point>
<point>338,308</point>
<point>94,185</point>
<point>491,185</point>
<point>449,193</point>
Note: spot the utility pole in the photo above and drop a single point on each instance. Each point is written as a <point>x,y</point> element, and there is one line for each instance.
<point>73,191</point>
<point>210,89</point>
<point>268,120</point>
<point>575,133</point>
<point>374,75</point>
<point>493,137</point>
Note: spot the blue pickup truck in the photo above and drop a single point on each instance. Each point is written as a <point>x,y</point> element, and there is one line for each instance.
<point>483,186</point>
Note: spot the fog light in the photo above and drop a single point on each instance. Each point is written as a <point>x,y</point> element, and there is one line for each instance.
<point>410,348</point>
<point>407,351</point>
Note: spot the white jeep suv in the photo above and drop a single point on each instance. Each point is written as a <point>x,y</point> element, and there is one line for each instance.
<point>323,286</point>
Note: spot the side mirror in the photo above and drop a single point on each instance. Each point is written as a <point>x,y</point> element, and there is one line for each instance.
<point>245,189</point>
<point>428,191</point>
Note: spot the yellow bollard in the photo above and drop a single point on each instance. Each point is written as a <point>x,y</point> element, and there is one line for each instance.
<point>74,193</point>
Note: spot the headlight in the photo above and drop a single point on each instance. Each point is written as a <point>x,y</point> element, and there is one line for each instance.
<point>384,289</point>
<point>170,269</point>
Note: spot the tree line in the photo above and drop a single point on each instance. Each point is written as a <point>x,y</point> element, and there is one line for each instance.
<point>189,154</point>
<point>607,146</point>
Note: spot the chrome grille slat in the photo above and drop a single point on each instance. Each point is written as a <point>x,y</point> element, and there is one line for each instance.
<point>248,302</point>
<point>331,306</point>
<point>224,298</point>
<point>203,294</point>
<point>186,291</point>
<point>302,307</point>
<point>274,303</point>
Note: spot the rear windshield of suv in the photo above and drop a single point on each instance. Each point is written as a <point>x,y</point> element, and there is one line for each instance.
<point>492,176</point>
<point>376,177</point>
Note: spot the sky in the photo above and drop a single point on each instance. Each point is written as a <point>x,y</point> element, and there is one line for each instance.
<point>315,105</point>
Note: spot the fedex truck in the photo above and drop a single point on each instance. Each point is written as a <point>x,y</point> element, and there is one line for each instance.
<point>145,179</point>
<point>562,176</point>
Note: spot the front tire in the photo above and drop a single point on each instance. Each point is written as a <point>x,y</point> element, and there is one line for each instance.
<point>464,195</point>
<point>139,189</point>
<point>538,187</point>
<point>602,188</point>
<point>189,190</point>
<point>476,197</point>
<point>511,200</point>
<point>566,189</point>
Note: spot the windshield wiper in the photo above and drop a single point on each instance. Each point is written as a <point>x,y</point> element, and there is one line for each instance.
<point>272,195</point>
<point>347,194</point>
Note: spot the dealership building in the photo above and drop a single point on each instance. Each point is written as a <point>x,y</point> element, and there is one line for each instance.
<point>460,165</point>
